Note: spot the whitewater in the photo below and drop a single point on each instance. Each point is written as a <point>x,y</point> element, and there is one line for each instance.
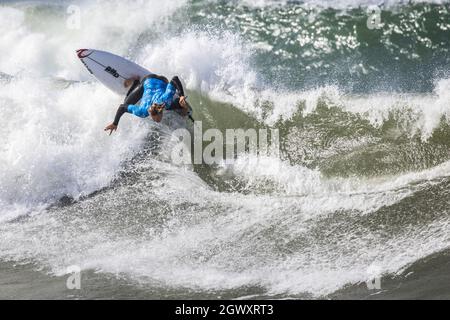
<point>362,182</point>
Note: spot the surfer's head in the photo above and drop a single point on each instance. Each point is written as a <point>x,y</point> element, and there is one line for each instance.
<point>156,112</point>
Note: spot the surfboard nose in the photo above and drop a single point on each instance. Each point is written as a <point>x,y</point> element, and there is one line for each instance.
<point>83,53</point>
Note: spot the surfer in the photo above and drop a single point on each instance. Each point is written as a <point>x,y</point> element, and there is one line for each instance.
<point>156,93</point>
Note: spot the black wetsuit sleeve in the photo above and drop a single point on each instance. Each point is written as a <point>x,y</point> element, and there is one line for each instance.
<point>120,111</point>
<point>177,84</point>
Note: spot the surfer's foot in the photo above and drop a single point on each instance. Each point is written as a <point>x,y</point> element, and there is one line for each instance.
<point>129,82</point>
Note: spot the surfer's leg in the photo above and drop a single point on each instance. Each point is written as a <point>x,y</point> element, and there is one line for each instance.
<point>133,85</point>
<point>135,93</point>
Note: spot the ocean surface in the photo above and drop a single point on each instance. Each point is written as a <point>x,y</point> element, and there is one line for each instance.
<point>359,194</point>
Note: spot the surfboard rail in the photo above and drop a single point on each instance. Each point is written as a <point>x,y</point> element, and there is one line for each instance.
<point>110,69</point>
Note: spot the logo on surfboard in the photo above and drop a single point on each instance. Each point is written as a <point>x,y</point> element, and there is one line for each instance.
<point>112,71</point>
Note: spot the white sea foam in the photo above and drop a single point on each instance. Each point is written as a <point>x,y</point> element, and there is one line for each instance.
<point>53,144</point>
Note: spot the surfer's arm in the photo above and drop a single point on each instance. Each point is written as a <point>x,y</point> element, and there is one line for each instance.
<point>177,84</point>
<point>138,111</point>
<point>120,111</point>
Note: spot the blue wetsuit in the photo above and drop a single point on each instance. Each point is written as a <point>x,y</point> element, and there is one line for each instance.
<point>153,89</point>
<point>156,91</point>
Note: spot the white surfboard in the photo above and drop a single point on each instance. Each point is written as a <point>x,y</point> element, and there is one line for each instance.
<point>110,69</point>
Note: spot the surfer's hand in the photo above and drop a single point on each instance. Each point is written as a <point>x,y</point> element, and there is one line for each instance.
<point>112,127</point>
